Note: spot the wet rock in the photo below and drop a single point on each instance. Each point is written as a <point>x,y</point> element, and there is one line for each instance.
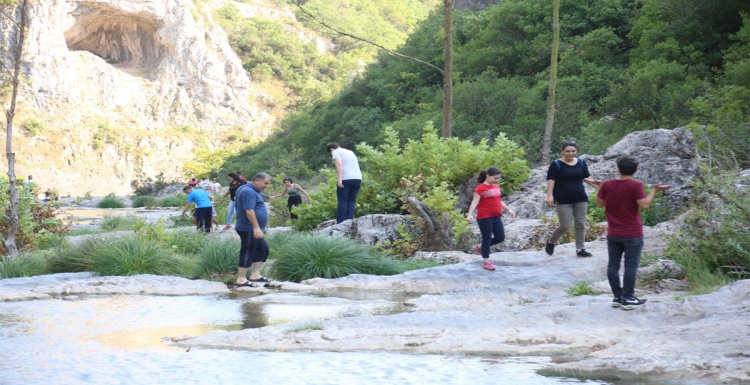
<point>137,284</point>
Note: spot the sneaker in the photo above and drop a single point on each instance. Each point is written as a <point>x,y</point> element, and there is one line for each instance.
<point>477,249</point>
<point>550,248</point>
<point>617,302</point>
<point>488,265</point>
<point>583,253</point>
<point>630,303</point>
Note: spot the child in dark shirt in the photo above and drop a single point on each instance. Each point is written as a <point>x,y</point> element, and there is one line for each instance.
<point>622,199</point>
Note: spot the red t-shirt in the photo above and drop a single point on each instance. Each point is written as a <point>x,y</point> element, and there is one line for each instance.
<point>490,204</point>
<point>621,209</point>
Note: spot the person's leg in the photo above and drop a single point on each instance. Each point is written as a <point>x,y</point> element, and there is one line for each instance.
<point>485,228</point>
<point>565,216</point>
<point>498,230</point>
<point>244,257</point>
<point>291,202</point>
<point>207,215</point>
<point>230,213</point>
<point>259,254</point>
<point>351,199</point>
<point>342,193</point>
<point>632,248</point>
<point>579,214</point>
<point>615,248</point>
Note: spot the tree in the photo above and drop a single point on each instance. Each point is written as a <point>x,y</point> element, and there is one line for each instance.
<point>552,82</point>
<point>8,8</point>
<point>446,71</point>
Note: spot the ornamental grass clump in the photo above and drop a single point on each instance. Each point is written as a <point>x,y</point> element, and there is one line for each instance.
<point>133,255</point>
<point>218,256</point>
<point>22,265</point>
<point>144,201</point>
<point>306,256</point>
<point>174,201</point>
<point>110,202</point>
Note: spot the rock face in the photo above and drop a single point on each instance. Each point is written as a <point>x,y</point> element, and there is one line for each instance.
<point>143,67</point>
<point>370,229</point>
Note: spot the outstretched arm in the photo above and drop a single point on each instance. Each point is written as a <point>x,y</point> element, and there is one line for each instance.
<point>304,192</point>
<point>507,208</point>
<point>646,202</point>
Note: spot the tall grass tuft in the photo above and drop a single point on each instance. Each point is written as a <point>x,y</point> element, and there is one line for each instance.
<point>187,242</point>
<point>120,222</point>
<point>144,201</point>
<point>22,265</point>
<point>305,256</point>
<point>132,255</point>
<point>72,259</point>
<point>175,201</point>
<point>110,202</point>
<point>218,256</point>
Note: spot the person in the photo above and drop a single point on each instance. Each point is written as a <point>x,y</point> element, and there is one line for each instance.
<point>252,217</point>
<point>193,182</point>
<point>206,184</point>
<point>215,187</point>
<point>565,177</point>
<point>48,195</point>
<point>622,198</point>
<point>294,199</point>
<point>28,182</point>
<point>239,174</point>
<point>203,207</point>
<point>234,183</point>
<point>489,205</point>
<point>349,180</point>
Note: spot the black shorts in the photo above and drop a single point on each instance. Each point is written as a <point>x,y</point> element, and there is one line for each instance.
<point>251,250</point>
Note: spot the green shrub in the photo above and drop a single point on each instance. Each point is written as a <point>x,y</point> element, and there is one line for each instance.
<point>35,126</point>
<point>183,241</point>
<point>174,201</point>
<point>132,255</point>
<point>120,222</point>
<point>219,256</point>
<point>144,201</point>
<point>305,256</point>
<point>22,265</point>
<point>110,202</point>
<point>182,221</point>
<point>33,218</point>
<point>713,245</point>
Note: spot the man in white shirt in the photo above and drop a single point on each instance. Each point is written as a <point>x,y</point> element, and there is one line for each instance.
<point>349,180</point>
<point>28,181</point>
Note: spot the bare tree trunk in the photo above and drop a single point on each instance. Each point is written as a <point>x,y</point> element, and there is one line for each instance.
<point>437,230</point>
<point>448,71</point>
<point>552,82</point>
<point>11,213</point>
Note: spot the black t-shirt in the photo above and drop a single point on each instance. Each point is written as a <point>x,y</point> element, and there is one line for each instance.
<point>568,182</point>
<point>233,189</point>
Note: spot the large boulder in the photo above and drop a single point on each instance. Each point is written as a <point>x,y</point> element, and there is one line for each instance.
<point>370,229</point>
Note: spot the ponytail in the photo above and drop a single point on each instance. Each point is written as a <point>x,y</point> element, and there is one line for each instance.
<point>490,171</point>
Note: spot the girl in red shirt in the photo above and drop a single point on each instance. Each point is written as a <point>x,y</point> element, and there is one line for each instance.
<point>489,208</point>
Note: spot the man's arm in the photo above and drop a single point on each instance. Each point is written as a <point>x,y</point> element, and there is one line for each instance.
<point>187,207</point>
<point>339,171</point>
<point>257,233</point>
<point>646,202</point>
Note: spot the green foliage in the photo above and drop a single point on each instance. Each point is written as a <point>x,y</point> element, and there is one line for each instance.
<point>306,327</point>
<point>26,264</point>
<point>713,245</point>
<point>120,222</point>
<point>110,202</point>
<point>34,126</point>
<point>179,200</point>
<point>219,256</point>
<point>306,256</point>
<point>33,218</point>
<point>144,201</point>
<point>581,288</point>
<point>132,255</point>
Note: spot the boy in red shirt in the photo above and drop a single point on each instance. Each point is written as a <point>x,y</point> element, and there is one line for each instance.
<point>622,200</point>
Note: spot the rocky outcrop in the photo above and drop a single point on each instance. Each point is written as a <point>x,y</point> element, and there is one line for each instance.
<point>116,83</point>
<point>370,229</point>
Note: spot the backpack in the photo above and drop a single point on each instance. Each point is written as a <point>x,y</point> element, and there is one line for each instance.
<point>580,161</point>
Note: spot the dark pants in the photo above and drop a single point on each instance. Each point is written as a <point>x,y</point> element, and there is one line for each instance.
<point>251,249</point>
<point>347,197</point>
<point>203,217</point>
<point>492,231</point>
<point>632,248</point>
<point>294,200</point>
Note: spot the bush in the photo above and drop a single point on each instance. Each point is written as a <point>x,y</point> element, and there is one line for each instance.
<point>187,242</point>
<point>144,201</point>
<point>120,222</point>
<point>305,256</point>
<point>133,255</point>
<point>33,218</point>
<point>713,245</point>
<point>217,257</point>
<point>22,265</point>
<point>74,259</point>
<point>110,202</point>
<point>175,201</point>
<point>34,126</point>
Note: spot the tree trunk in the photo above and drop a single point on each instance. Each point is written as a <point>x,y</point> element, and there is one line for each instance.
<point>437,230</point>
<point>552,82</point>
<point>11,213</point>
<point>448,71</point>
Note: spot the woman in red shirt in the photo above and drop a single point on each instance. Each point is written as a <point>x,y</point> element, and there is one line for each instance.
<point>489,208</point>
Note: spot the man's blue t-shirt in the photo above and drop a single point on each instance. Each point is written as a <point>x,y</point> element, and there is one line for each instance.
<point>200,197</point>
<point>248,197</point>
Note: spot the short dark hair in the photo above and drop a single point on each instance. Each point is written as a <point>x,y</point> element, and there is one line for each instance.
<point>288,179</point>
<point>186,188</point>
<point>627,165</point>
<point>332,146</point>
<point>568,143</point>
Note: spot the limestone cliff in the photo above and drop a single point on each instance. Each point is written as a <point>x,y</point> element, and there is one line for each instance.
<point>149,72</point>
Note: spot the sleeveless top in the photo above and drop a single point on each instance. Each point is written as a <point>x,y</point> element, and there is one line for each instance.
<point>293,191</point>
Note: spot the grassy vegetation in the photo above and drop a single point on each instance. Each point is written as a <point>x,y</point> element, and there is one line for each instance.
<point>304,327</point>
<point>218,257</point>
<point>120,222</point>
<point>22,265</point>
<point>581,288</point>
<point>110,202</point>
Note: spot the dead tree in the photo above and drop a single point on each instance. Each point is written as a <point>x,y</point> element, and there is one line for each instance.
<point>437,235</point>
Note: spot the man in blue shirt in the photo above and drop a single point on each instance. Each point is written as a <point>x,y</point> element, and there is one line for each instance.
<point>252,217</point>
<point>203,207</point>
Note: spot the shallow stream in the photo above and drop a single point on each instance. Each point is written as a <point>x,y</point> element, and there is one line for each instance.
<point>121,340</point>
